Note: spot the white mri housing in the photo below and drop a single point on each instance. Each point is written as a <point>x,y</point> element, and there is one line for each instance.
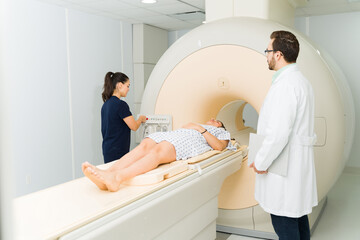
<point>219,67</point>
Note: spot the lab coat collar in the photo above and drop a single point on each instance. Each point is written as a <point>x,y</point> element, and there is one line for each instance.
<point>281,70</point>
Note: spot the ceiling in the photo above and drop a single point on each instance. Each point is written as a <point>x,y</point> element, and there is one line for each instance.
<point>183,14</point>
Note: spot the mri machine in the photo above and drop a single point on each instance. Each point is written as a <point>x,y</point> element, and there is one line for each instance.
<point>207,75</point>
<point>215,70</point>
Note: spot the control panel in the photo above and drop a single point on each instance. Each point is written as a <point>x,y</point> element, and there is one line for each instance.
<point>154,123</point>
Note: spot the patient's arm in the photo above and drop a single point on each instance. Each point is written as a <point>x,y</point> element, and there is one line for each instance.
<point>194,126</point>
<point>213,141</point>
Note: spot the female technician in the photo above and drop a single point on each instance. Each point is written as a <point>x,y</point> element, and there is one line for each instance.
<point>116,118</point>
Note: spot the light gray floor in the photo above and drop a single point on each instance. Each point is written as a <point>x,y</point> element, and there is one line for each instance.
<point>341,217</point>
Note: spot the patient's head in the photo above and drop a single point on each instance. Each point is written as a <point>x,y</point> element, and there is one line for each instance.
<point>215,123</point>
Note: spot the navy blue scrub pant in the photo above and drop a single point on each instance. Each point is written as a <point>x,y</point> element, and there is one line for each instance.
<point>291,228</point>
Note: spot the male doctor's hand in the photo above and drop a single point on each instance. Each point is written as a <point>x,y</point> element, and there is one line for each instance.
<point>257,171</point>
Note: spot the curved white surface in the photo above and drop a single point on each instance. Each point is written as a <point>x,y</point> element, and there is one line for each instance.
<point>199,48</point>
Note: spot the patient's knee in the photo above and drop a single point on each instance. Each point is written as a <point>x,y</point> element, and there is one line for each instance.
<point>147,144</point>
<point>158,150</point>
<point>163,152</point>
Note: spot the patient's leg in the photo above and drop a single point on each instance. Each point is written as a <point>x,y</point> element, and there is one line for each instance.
<point>99,177</point>
<point>163,152</point>
<point>134,155</point>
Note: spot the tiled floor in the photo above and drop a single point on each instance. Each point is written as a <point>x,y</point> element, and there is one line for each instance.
<point>341,217</point>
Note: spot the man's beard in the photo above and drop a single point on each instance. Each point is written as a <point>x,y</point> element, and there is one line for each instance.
<point>272,63</point>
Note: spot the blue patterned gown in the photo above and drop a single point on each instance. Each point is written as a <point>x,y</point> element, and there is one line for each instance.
<point>189,142</point>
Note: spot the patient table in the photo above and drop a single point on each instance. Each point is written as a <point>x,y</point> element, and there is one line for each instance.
<point>182,206</point>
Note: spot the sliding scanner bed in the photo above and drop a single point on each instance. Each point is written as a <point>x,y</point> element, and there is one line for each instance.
<point>169,170</point>
<point>79,210</point>
<point>159,174</point>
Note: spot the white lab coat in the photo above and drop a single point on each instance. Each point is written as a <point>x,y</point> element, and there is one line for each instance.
<point>287,121</point>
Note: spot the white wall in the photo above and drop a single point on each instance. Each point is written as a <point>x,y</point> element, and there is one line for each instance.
<point>175,35</point>
<point>54,65</point>
<point>339,35</point>
<point>36,69</point>
<point>6,179</point>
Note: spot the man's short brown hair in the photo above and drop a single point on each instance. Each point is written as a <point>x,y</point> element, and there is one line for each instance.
<point>287,44</point>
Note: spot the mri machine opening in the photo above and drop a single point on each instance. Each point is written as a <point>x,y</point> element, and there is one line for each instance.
<point>204,75</point>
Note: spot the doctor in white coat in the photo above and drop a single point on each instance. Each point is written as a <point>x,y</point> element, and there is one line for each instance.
<point>286,121</point>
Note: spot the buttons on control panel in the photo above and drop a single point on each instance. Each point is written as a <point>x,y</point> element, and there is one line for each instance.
<point>154,123</point>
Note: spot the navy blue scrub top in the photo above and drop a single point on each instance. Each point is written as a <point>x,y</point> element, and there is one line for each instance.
<point>115,132</point>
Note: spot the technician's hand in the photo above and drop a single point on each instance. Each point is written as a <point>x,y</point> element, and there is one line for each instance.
<point>142,118</point>
<point>257,171</point>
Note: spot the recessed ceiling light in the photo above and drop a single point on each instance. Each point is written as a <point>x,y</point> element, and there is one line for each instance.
<point>148,1</point>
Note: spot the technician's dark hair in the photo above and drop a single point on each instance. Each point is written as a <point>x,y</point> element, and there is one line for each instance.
<point>111,79</point>
<point>287,44</point>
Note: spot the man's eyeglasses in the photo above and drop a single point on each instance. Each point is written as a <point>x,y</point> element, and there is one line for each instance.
<point>267,51</point>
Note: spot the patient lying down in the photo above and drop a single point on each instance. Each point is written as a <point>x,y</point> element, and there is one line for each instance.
<point>158,148</point>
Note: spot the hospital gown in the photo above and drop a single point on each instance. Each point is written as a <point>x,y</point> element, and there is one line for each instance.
<point>189,142</point>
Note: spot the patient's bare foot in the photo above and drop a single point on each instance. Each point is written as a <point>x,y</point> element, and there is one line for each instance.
<point>105,180</point>
<point>113,182</point>
<point>85,165</point>
<point>88,171</point>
